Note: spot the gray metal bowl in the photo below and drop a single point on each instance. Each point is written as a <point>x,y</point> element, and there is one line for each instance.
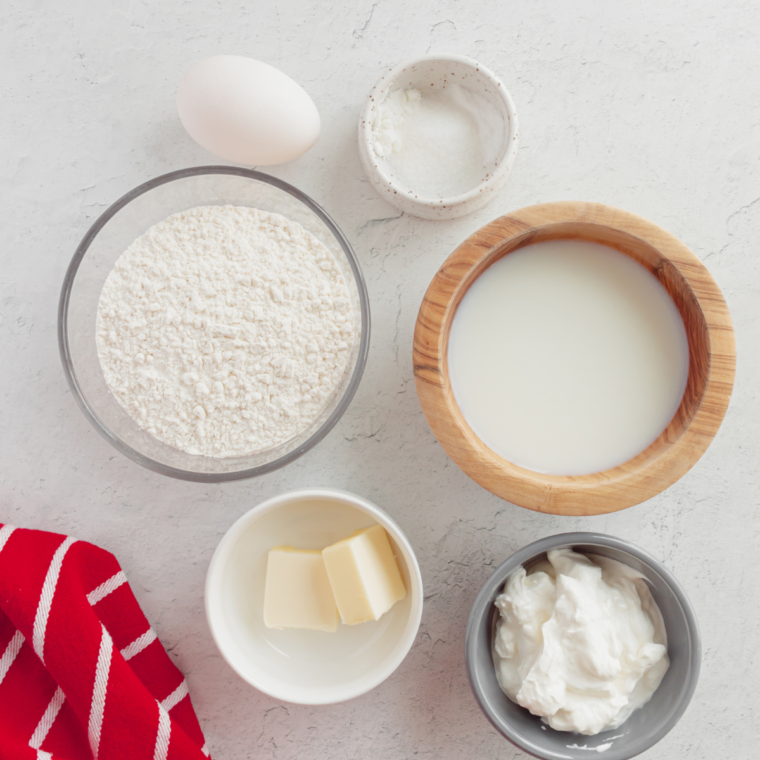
<point>647,725</point>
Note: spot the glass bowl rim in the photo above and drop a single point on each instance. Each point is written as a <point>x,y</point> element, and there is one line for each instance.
<point>70,372</point>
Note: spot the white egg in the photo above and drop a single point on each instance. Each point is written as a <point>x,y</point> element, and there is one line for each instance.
<point>247,111</point>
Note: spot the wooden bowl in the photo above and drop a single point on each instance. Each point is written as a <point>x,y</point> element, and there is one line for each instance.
<point>712,359</point>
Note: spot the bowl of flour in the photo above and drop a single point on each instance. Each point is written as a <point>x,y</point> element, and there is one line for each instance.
<point>214,324</point>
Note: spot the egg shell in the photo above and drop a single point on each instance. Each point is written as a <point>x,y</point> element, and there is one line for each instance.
<point>247,111</point>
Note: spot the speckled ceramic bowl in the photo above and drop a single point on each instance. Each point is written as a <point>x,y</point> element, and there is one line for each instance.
<point>646,726</point>
<point>439,72</point>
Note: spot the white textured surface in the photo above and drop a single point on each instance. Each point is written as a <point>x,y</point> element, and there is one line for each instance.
<point>654,107</point>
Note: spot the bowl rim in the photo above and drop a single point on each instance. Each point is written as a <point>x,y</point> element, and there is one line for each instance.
<point>481,608</point>
<point>70,372</point>
<point>225,545</point>
<point>678,447</point>
<point>378,93</point>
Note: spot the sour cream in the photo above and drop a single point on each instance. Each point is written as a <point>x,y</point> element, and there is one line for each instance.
<point>580,642</point>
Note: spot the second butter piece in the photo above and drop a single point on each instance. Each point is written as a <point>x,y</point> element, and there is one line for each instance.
<point>364,575</point>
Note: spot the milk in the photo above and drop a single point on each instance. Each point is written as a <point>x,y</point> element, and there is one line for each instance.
<point>567,357</point>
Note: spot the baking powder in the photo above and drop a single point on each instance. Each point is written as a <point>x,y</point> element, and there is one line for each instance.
<point>437,144</point>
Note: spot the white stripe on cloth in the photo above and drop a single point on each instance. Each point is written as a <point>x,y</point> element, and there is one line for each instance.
<point>99,691</point>
<point>42,755</point>
<point>10,654</point>
<point>46,597</point>
<point>140,643</point>
<point>163,735</point>
<point>105,588</point>
<point>47,719</point>
<point>5,534</point>
<point>175,697</point>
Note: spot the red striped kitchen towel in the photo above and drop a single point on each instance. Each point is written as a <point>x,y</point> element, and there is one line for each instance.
<point>82,674</point>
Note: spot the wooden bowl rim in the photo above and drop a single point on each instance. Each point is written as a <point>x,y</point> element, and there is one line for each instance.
<point>637,480</point>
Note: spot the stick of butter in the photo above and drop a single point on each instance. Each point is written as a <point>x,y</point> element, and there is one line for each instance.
<point>297,592</point>
<point>364,575</point>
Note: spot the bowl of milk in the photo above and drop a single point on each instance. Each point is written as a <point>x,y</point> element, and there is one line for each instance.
<point>574,358</point>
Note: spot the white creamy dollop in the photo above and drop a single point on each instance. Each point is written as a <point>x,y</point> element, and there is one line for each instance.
<point>580,642</point>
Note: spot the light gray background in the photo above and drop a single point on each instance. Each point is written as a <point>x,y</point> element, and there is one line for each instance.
<point>650,106</point>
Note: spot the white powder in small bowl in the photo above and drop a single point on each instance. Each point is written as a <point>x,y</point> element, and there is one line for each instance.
<point>225,330</point>
<point>438,144</point>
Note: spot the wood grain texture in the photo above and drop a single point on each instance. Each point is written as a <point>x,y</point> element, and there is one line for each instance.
<point>712,359</point>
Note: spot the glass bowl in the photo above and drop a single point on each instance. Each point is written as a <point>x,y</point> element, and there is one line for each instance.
<point>109,237</point>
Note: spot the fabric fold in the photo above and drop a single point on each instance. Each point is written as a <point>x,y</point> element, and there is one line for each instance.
<point>82,673</point>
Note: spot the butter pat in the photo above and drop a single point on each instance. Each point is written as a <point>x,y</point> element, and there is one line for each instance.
<point>297,592</point>
<point>364,575</point>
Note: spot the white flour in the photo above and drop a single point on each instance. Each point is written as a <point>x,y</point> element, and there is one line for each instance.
<point>224,330</point>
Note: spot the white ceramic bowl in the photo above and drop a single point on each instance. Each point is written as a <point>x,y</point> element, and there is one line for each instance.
<point>439,71</point>
<point>306,667</point>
